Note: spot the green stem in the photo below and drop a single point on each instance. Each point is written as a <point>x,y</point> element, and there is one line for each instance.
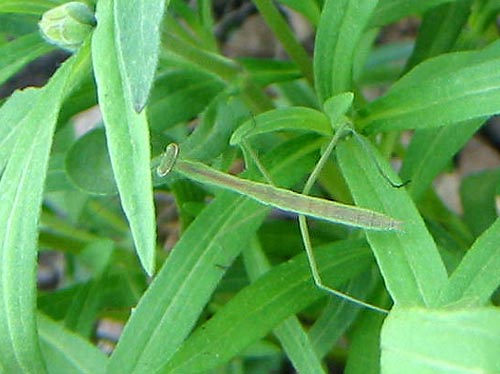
<point>388,142</point>
<point>214,63</point>
<point>284,34</point>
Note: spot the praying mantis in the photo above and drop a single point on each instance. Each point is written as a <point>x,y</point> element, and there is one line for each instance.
<point>300,203</point>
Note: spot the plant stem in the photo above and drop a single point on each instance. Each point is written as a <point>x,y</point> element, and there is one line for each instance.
<point>282,31</point>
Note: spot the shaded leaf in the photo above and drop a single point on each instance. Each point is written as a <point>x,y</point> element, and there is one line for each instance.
<point>66,352</point>
<point>88,166</point>
<point>19,52</point>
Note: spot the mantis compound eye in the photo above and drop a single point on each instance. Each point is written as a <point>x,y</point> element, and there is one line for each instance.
<point>168,159</point>
<point>67,25</point>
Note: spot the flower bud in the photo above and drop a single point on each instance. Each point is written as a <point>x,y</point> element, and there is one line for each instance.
<point>67,25</point>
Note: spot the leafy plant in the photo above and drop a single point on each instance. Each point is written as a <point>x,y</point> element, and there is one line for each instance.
<point>236,293</point>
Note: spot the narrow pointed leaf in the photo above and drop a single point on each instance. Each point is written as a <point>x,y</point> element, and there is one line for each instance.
<point>477,277</point>
<point>340,29</point>
<point>127,137</point>
<point>21,189</point>
<point>283,119</point>
<point>448,89</point>
<point>408,259</point>
<point>431,150</point>
<point>137,30</point>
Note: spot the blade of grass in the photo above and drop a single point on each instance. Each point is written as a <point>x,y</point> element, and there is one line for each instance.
<point>439,30</point>
<point>292,118</point>
<point>431,150</point>
<point>11,116</point>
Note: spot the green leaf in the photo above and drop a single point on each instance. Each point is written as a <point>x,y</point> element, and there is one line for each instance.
<point>66,352</point>
<point>275,296</point>
<point>337,106</point>
<point>308,8</point>
<point>431,150</point>
<point>82,316</point>
<point>19,52</point>
<point>180,95</point>
<point>435,341</point>
<point>409,260</point>
<point>174,300</point>
<point>293,338</point>
<point>291,118</point>
<point>21,189</point>
<point>440,30</point>
<point>12,114</point>
<point>477,277</point>
<point>127,137</point>
<point>364,352</point>
<point>339,314</point>
<point>340,29</point>
<point>388,11</point>
<point>211,136</point>
<point>448,89</point>
<point>137,31</point>
<point>28,6</point>
<point>283,32</point>
<point>88,166</point>
<point>478,193</point>
<point>268,71</point>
